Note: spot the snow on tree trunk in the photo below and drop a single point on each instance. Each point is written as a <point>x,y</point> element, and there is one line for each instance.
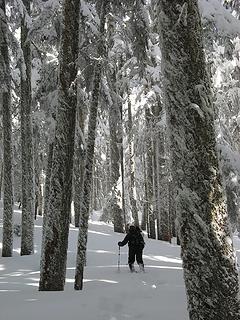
<point>115,157</point>
<point>27,246</point>
<point>131,188</point>
<point>37,170</point>
<point>78,165</point>
<point>149,175</point>
<point>55,242</point>
<point>87,182</point>
<point>207,251</point>
<point>47,189</point>
<point>89,157</point>
<point>122,168</point>
<point>1,179</point>
<point>5,92</point>
<point>144,221</point>
<point>164,223</point>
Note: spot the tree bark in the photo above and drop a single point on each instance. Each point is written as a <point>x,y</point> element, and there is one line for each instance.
<point>149,164</point>
<point>122,171</point>
<point>208,257</point>
<point>79,157</point>
<point>55,242</point>
<point>144,222</point>
<point>1,179</point>
<point>5,91</point>
<point>88,172</point>
<point>27,245</point>
<point>131,188</point>
<point>115,128</point>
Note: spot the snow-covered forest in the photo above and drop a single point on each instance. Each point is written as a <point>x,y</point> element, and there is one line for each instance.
<point>119,140</point>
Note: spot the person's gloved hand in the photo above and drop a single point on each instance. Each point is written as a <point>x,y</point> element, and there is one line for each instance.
<point>120,244</point>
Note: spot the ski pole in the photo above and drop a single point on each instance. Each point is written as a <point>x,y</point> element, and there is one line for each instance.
<point>118,258</point>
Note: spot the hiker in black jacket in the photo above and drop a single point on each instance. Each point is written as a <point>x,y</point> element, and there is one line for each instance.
<point>136,244</point>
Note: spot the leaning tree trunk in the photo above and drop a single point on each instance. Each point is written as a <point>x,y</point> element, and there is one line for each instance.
<point>55,242</point>
<point>89,157</point>
<point>209,264</point>
<point>5,92</point>
<point>27,141</point>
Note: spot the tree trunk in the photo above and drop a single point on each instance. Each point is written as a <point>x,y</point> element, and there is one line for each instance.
<point>36,168</point>
<point>114,123</point>
<point>1,179</point>
<point>144,221</point>
<point>149,164</point>
<point>27,246</point>
<point>79,165</point>
<point>55,242</point>
<point>122,170</point>
<point>88,172</point>
<point>115,128</point>
<point>5,91</point>
<point>208,257</point>
<point>46,213</point>
<point>165,223</point>
<point>132,198</point>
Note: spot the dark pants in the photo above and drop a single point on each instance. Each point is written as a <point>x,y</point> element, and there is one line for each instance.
<point>135,252</point>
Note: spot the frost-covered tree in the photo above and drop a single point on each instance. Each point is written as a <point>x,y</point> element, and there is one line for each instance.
<point>207,251</point>
<point>27,246</point>
<point>115,128</point>
<point>149,176</point>
<point>55,242</point>
<point>131,184</point>
<point>89,156</point>
<point>79,163</point>
<point>5,99</point>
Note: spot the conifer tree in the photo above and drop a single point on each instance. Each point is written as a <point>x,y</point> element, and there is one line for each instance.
<point>209,264</point>
<point>5,98</point>
<point>89,156</point>
<point>55,242</point>
<point>27,245</point>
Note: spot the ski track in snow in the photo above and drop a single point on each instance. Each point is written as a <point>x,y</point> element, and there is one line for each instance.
<point>108,294</point>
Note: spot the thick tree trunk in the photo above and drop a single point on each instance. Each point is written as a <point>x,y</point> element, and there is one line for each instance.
<point>88,172</point>
<point>5,92</point>
<point>55,242</point>
<point>208,257</point>
<point>27,141</point>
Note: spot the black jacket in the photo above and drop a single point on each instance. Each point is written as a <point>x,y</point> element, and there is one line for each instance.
<point>134,239</point>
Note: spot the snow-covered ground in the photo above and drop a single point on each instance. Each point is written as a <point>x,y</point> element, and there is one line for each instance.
<point>108,295</point>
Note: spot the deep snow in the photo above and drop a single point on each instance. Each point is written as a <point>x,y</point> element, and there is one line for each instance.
<point>108,295</point>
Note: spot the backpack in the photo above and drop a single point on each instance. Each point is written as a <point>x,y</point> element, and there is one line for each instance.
<point>137,240</point>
